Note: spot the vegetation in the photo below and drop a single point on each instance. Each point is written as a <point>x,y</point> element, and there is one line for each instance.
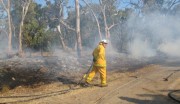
<point>30,25</point>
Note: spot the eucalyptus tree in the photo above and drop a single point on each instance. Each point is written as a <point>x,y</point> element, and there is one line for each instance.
<point>108,10</point>
<point>104,15</point>
<point>55,15</point>
<point>31,20</point>
<point>121,34</point>
<point>20,9</point>
<point>78,35</point>
<point>96,18</point>
<point>35,33</point>
<point>176,10</point>
<point>3,29</point>
<point>7,6</point>
<point>150,6</point>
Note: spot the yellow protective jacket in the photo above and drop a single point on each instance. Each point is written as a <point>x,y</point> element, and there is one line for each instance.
<point>99,56</point>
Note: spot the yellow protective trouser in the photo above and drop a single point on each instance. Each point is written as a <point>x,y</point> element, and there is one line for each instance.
<point>101,70</point>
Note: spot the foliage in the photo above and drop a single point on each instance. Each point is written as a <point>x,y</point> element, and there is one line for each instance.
<point>34,29</point>
<point>39,30</point>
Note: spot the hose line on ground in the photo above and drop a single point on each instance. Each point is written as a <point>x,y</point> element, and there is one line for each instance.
<point>171,96</point>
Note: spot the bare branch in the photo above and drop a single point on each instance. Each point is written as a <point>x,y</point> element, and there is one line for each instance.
<point>67,25</point>
<point>173,3</point>
<point>100,1</point>
<point>112,26</point>
<point>25,8</point>
<point>4,5</point>
<point>99,30</point>
<point>136,5</point>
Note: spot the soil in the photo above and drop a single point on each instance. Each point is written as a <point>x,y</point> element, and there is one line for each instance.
<point>143,86</point>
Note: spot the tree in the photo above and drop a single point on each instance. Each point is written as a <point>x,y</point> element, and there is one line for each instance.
<point>25,5</point>
<point>176,10</point>
<point>78,35</point>
<point>151,6</point>
<point>7,7</point>
<point>97,21</point>
<point>35,33</point>
<point>56,20</point>
<point>107,6</point>
<point>55,17</point>
<point>171,4</point>
<point>120,33</point>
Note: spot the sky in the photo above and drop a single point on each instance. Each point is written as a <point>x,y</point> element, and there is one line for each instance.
<point>123,4</point>
<point>43,2</point>
<point>70,3</point>
<point>40,2</point>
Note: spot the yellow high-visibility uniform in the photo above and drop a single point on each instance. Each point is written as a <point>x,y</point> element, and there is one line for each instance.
<point>99,64</point>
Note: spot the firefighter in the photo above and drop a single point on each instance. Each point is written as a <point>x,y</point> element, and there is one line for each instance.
<point>99,64</point>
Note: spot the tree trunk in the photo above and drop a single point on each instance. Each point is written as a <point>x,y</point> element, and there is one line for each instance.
<point>78,36</point>
<point>7,8</point>
<point>107,29</point>
<point>97,22</point>
<point>60,37</point>
<point>105,23</point>
<point>61,16</point>
<point>9,29</point>
<point>20,39</point>
<point>25,7</point>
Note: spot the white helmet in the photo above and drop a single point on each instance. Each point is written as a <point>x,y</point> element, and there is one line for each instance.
<point>104,41</point>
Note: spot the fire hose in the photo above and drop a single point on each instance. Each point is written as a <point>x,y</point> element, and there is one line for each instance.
<point>86,74</point>
<point>170,94</point>
<point>27,98</point>
<point>38,96</point>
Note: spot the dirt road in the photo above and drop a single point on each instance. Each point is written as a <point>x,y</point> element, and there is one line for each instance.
<point>145,86</point>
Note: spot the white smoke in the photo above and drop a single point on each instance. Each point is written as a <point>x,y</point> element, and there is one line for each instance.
<point>155,32</point>
<point>141,48</point>
<point>171,48</point>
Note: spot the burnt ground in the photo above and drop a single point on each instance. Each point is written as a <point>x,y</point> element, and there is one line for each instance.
<point>65,68</point>
<point>47,79</point>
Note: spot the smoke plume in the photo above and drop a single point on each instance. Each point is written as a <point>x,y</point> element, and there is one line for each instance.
<point>154,33</point>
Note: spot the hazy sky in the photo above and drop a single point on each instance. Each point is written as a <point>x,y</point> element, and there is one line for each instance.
<point>122,4</point>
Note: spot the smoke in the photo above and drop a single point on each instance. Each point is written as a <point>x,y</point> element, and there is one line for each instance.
<point>140,48</point>
<point>154,33</point>
<point>3,44</point>
<point>171,48</point>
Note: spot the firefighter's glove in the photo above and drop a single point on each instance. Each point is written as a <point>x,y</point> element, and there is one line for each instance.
<point>94,60</point>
